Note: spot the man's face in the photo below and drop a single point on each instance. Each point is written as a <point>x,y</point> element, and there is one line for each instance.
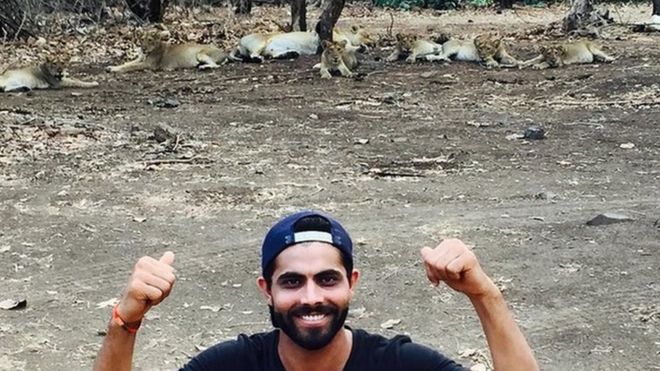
<point>310,293</point>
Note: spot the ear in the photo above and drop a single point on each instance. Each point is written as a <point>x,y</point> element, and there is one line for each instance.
<point>263,288</point>
<point>326,44</point>
<point>343,43</point>
<point>353,280</point>
<point>399,36</point>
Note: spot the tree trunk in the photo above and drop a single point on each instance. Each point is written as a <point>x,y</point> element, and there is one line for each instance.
<point>242,6</point>
<point>506,4</point>
<point>328,19</point>
<point>298,15</point>
<point>148,10</point>
<point>656,7</point>
<point>584,19</point>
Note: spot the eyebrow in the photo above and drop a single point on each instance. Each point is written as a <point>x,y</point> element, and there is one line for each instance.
<point>327,272</point>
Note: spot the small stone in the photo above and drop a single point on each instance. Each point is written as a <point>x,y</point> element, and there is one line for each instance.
<point>609,218</point>
<point>627,145</point>
<point>534,133</point>
<point>546,196</point>
<point>164,132</point>
<point>170,103</point>
<point>390,323</point>
<point>314,116</point>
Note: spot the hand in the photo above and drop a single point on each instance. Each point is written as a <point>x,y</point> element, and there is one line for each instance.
<point>452,262</point>
<point>149,284</point>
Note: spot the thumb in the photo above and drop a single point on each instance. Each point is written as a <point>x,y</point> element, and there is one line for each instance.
<point>167,258</point>
<point>426,252</point>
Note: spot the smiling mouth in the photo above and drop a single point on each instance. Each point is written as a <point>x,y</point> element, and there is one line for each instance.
<point>313,320</point>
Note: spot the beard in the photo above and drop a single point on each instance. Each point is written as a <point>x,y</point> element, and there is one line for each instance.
<point>310,339</point>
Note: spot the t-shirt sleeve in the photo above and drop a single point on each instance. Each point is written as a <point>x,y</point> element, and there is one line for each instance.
<point>413,356</point>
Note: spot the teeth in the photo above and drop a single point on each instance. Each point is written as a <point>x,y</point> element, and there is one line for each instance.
<point>316,317</point>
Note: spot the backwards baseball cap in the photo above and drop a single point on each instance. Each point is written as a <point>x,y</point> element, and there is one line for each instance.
<point>304,226</point>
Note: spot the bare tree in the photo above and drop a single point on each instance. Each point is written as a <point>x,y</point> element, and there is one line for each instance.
<point>584,19</point>
<point>242,6</point>
<point>148,10</point>
<point>506,4</point>
<point>329,18</point>
<point>298,15</point>
<point>15,22</point>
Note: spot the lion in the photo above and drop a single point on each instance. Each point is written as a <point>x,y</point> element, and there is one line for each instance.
<point>277,45</point>
<point>567,53</point>
<point>160,55</point>
<point>47,75</point>
<point>487,49</point>
<point>415,47</point>
<point>338,56</point>
<point>356,35</point>
<point>286,45</point>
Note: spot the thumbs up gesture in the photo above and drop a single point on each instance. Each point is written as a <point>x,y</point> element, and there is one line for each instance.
<point>149,284</point>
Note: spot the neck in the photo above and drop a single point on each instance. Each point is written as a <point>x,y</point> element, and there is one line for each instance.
<point>331,357</point>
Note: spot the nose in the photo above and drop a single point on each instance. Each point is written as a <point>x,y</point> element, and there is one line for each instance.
<point>311,294</point>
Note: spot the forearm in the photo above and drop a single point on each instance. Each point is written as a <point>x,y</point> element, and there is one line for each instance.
<point>116,353</point>
<point>508,347</point>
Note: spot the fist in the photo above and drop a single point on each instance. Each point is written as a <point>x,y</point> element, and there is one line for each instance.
<point>149,284</point>
<point>455,264</point>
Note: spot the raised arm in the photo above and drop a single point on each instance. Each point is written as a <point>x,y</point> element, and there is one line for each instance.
<point>452,262</point>
<point>149,284</point>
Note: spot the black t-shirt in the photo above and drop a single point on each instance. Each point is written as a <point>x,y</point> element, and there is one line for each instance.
<point>370,352</point>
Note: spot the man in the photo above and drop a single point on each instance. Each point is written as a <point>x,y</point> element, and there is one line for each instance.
<point>308,281</point>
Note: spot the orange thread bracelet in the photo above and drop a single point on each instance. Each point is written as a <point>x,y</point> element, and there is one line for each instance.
<point>132,327</point>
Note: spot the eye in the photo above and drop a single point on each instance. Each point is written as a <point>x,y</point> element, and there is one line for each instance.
<point>328,280</point>
<point>289,283</point>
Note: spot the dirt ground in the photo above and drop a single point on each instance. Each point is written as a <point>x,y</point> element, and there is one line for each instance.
<point>403,156</point>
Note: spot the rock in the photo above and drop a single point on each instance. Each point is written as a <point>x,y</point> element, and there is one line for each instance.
<point>627,145</point>
<point>13,304</point>
<point>164,132</point>
<point>534,133</point>
<point>514,136</point>
<point>609,218</point>
<point>164,103</point>
<point>546,196</point>
<point>169,103</point>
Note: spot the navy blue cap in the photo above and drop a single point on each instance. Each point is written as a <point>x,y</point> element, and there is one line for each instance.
<point>304,226</point>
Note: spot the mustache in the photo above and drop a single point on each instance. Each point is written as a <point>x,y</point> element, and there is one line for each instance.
<point>307,309</point>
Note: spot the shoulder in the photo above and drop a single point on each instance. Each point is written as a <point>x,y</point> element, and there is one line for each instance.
<point>399,353</point>
<point>244,353</point>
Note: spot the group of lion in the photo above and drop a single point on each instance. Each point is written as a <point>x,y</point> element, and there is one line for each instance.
<point>338,57</point>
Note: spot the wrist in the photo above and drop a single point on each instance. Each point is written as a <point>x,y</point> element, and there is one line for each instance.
<point>130,327</point>
<point>489,293</point>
